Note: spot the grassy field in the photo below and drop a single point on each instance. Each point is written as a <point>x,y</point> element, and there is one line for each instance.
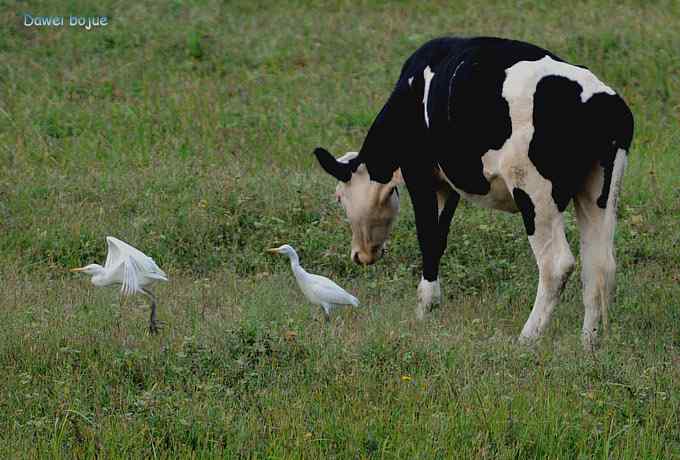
<point>186,128</point>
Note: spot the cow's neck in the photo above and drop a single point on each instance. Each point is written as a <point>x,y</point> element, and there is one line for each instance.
<point>393,131</point>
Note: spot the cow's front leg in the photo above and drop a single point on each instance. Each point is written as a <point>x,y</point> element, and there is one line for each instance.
<point>448,200</point>
<point>421,187</point>
<point>429,292</point>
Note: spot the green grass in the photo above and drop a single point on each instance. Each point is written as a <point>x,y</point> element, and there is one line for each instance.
<point>187,127</point>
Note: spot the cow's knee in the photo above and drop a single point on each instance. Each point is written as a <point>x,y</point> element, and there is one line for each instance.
<point>554,267</point>
<point>555,270</point>
<point>564,269</point>
<point>429,295</point>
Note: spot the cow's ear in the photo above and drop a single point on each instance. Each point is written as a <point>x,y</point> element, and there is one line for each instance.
<point>341,171</point>
<point>397,178</point>
<point>391,186</point>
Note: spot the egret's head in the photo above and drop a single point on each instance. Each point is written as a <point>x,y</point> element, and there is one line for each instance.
<point>285,249</point>
<point>371,207</point>
<point>92,269</point>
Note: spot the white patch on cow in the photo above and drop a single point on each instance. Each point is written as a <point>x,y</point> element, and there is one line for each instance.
<point>427,74</point>
<point>523,77</point>
<point>410,81</point>
<point>429,294</point>
<point>347,157</point>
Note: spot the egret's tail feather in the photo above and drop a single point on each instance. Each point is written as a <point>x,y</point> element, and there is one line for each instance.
<point>161,276</point>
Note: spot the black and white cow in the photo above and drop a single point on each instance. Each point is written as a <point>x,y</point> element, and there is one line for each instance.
<point>506,125</point>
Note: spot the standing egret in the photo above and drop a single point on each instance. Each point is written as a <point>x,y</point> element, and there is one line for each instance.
<point>318,289</point>
<point>129,267</point>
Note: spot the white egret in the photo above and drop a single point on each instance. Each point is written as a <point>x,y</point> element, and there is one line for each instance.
<point>318,289</point>
<point>131,269</point>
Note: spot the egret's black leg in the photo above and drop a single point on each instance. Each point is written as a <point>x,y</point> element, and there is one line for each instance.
<point>119,314</point>
<point>154,326</point>
<point>326,312</point>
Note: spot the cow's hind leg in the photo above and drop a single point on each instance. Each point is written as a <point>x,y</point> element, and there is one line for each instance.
<point>545,226</point>
<point>596,216</point>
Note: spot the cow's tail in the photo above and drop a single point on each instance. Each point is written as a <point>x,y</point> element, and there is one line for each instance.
<point>619,140</point>
<point>605,286</point>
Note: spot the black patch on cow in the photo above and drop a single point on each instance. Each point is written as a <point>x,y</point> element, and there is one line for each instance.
<point>468,117</point>
<point>526,207</point>
<point>571,137</point>
<point>612,115</point>
<point>557,148</point>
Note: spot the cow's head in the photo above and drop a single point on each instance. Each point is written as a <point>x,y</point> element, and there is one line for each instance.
<point>371,207</point>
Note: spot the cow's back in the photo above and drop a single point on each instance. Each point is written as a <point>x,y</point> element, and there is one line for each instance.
<point>488,98</point>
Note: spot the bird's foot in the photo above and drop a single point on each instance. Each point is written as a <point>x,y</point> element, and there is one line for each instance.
<point>156,326</point>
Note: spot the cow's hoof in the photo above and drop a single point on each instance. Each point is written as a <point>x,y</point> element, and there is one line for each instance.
<point>429,295</point>
<point>590,340</point>
<point>527,340</point>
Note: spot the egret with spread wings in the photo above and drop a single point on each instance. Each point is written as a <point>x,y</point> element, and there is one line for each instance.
<point>318,289</point>
<point>131,269</point>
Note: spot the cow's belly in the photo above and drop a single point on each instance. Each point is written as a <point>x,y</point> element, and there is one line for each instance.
<point>499,196</point>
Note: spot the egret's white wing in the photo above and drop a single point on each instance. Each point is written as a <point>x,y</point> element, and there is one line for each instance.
<point>113,255</point>
<point>144,265</point>
<point>126,274</point>
<point>130,277</point>
<point>329,292</point>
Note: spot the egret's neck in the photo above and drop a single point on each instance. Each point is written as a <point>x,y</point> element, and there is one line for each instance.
<point>99,277</point>
<point>294,259</point>
<point>298,271</point>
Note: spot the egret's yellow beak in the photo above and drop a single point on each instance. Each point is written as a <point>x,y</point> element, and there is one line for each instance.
<point>274,250</point>
<point>80,269</point>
